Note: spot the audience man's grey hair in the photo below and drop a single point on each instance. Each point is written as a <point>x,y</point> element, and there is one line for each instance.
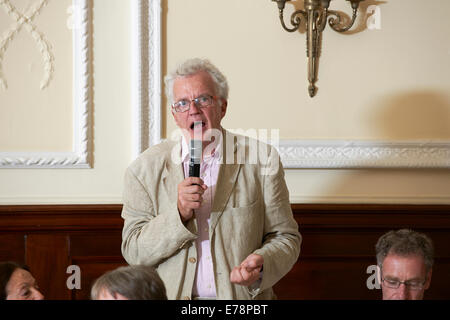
<point>192,66</point>
<point>138,282</point>
<point>405,242</point>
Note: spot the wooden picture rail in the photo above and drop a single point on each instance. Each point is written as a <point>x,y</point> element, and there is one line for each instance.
<point>338,246</point>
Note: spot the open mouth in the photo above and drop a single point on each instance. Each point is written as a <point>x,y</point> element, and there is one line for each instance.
<point>197,123</point>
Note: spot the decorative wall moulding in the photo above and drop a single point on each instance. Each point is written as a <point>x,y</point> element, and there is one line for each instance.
<point>364,154</point>
<point>146,73</point>
<point>25,21</point>
<point>295,154</point>
<point>81,155</point>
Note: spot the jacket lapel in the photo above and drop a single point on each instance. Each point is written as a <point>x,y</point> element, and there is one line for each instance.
<point>172,175</point>
<point>226,181</point>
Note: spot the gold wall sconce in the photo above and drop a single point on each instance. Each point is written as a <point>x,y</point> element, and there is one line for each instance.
<point>316,14</point>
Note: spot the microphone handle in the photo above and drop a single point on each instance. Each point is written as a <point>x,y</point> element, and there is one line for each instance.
<point>194,169</point>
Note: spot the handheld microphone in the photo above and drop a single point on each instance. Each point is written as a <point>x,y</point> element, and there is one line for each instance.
<point>196,151</point>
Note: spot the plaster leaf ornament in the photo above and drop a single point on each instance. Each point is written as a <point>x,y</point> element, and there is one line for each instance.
<point>26,21</point>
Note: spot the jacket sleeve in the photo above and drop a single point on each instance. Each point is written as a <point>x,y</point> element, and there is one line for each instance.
<point>149,236</point>
<point>282,240</point>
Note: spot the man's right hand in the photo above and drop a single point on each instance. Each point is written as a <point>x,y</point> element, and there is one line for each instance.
<point>190,192</point>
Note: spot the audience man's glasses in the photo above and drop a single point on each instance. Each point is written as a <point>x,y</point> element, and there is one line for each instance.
<point>202,101</point>
<point>409,284</point>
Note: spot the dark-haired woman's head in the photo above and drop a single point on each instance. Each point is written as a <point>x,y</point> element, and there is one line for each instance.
<point>17,283</point>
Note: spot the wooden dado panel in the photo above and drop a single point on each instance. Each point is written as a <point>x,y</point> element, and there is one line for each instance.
<point>338,246</point>
<point>49,239</point>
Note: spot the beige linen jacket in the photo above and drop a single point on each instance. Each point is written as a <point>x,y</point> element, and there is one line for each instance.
<point>251,213</point>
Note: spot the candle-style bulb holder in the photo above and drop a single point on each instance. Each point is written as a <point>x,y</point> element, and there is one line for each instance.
<point>316,13</point>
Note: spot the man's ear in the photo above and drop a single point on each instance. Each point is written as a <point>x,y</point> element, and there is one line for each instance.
<point>428,281</point>
<point>224,106</point>
<point>174,117</point>
<point>172,112</point>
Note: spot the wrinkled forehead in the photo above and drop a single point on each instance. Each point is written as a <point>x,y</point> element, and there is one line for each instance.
<point>405,267</point>
<point>197,83</point>
<point>19,278</point>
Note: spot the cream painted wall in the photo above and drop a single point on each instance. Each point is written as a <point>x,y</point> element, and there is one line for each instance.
<point>388,84</point>
<point>391,84</point>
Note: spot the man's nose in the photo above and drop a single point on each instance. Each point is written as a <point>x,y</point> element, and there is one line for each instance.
<point>193,108</point>
<point>403,292</point>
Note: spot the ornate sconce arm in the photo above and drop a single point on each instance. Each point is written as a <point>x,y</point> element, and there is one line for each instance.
<point>295,17</point>
<point>334,23</point>
<point>295,20</point>
<point>322,22</point>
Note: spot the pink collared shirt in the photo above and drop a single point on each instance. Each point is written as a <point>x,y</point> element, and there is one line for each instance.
<point>204,285</point>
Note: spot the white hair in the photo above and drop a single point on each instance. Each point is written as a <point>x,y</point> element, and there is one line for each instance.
<point>193,66</point>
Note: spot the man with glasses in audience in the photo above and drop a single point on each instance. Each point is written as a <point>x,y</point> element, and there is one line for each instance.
<point>405,262</point>
<point>228,233</point>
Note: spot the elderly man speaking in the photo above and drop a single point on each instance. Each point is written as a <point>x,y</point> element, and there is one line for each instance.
<point>228,233</point>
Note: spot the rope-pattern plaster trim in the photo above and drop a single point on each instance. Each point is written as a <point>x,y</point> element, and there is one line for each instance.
<point>83,81</point>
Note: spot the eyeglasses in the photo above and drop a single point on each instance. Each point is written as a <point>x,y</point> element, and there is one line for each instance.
<point>409,284</point>
<point>202,101</point>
